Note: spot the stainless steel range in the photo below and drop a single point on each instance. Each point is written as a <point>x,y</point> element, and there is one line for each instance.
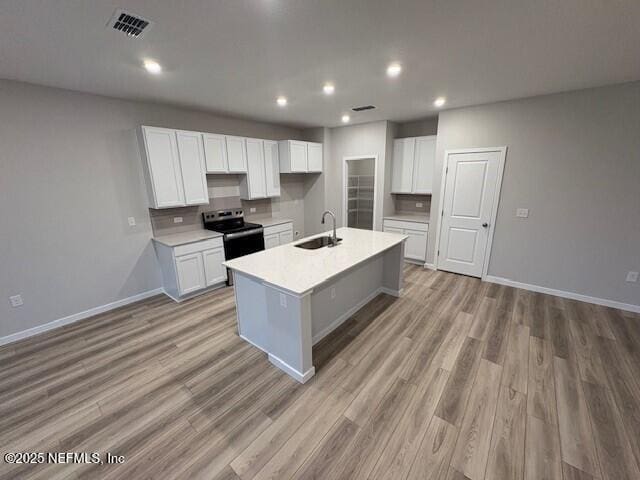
<point>240,237</point>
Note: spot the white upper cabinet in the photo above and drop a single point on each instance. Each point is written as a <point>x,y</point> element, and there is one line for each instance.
<point>174,167</point>
<point>314,157</point>
<point>423,165</point>
<point>215,153</point>
<point>272,168</point>
<point>162,167</point>
<point>300,157</point>
<point>194,180</point>
<point>236,154</point>
<point>254,185</point>
<point>413,163</point>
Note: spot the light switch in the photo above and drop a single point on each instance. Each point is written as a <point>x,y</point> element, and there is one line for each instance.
<point>632,277</point>
<point>132,221</point>
<point>177,219</point>
<point>419,204</point>
<point>16,300</point>
<point>252,209</point>
<point>522,212</point>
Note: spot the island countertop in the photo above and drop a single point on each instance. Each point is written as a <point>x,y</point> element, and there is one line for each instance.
<point>298,270</point>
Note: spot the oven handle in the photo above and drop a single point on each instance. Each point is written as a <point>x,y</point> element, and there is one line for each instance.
<point>246,233</point>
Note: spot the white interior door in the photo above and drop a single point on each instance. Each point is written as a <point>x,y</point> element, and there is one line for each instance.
<point>470,195</point>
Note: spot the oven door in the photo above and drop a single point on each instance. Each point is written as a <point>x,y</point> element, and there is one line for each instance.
<point>243,243</point>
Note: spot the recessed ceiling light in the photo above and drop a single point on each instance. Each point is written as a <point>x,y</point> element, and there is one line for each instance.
<point>281,101</point>
<point>152,66</point>
<point>439,102</point>
<point>394,69</point>
<point>346,118</point>
<point>328,88</point>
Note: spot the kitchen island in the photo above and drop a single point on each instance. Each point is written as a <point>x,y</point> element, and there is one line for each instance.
<point>289,298</point>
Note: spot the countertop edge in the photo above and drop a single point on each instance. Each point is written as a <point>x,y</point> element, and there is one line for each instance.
<point>301,293</point>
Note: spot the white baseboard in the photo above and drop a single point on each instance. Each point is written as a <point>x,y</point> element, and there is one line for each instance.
<point>561,293</point>
<point>301,377</point>
<point>430,266</point>
<point>413,261</point>
<point>389,291</point>
<point>30,332</point>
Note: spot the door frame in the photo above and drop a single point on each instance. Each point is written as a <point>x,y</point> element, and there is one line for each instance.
<point>345,200</point>
<point>494,212</point>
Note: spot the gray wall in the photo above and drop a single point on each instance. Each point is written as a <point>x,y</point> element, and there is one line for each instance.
<point>315,185</point>
<point>573,159</point>
<point>71,175</point>
<point>418,128</point>
<point>354,140</point>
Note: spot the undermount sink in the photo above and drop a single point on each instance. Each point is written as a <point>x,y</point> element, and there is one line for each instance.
<point>316,243</point>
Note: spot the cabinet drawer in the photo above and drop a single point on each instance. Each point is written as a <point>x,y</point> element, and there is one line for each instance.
<point>197,246</point>
<point>278,228</point>
<point>271,241</point>
<point>423,227</point>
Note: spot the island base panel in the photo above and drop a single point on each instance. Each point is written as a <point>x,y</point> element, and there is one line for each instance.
<point>286,325</point>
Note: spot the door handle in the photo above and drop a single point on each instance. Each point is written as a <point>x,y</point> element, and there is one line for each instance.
<point>485,225</point>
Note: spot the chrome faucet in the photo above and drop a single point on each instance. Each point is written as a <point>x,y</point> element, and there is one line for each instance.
<point>334,238</point>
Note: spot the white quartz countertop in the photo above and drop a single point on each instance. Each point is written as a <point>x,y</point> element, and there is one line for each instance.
<point>298,270</point>
<point>183,238</point>
<point>409,217</point>
<point>268,221</point>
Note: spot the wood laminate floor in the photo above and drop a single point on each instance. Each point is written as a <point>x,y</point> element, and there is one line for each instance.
<point>458,379</point>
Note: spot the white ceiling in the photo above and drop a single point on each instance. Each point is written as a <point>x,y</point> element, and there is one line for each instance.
<point>237,56</point>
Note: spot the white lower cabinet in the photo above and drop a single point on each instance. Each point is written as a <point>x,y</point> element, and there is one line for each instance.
<point>191,268</point>
<point>214,271</point>
<point>416,245</point>
<point>271,241</point>
<point>276,235</point>
<point>190,273</point>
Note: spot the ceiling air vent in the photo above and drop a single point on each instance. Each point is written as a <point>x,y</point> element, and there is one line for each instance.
<point>130,24</point>
<point>363,108</point>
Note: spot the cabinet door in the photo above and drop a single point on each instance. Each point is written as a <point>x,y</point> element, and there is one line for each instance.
<point>403,153</point>
<point>255,168</point>
<point>396,173</point>
<point>314,157</point>
<point>164,167</point>
<point>298,155</point>
<point>286,237</point>
<point>272,168</point>
<point>215,153</point>
<point>214,271</point>
<point>190,273</point>
<point>194,178</point>
<point>416,245</point>
<point>236,154</point>
<point>423,164</point>
<point>271,241</point>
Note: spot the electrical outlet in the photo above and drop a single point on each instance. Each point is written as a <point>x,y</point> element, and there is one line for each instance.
<point>632,277</point>
<point>132,221</point>
<point>522,212</point>
<point>252,210</point>
<point>333,292</point>
<point>177,219</point>
<point>419,204</point>
<point>16,301</point>
<point>283,300</point>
